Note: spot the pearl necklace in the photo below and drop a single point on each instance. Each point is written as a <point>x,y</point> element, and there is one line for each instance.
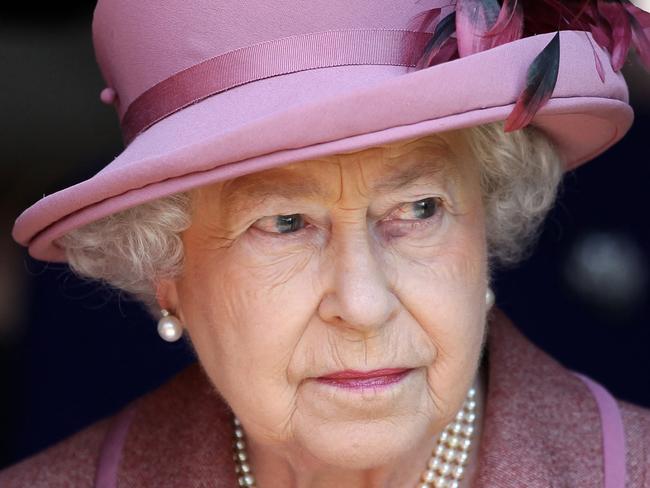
<point>446,465</point>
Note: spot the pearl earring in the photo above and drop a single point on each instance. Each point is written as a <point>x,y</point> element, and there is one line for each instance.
<point>489,298</point>
<point>169,327</point>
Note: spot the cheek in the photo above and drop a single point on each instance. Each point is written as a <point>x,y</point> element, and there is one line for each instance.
<point>444,290</point>
<point>448,274</point>
<point>246,314</point>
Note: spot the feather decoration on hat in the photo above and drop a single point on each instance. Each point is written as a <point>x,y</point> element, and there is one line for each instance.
<point>484,24</point>
<point>473,26</point>
<point>442,47</point>
<point>540,80</point>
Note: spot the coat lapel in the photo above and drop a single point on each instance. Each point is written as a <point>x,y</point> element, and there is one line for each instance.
<point>541,426</point>
<point>180,437</point>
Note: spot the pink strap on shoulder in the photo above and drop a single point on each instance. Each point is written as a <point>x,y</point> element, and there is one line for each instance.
<point>111,451</point>
<point>614,451</point>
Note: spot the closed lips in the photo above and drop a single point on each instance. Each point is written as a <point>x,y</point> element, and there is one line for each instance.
<point>358,379</point>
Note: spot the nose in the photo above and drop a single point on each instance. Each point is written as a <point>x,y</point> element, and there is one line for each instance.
<point>358,294</point>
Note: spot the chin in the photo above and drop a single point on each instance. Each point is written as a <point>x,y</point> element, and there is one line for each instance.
<point>364,444</point>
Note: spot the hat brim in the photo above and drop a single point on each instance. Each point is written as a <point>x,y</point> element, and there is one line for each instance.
<point>315,113</point>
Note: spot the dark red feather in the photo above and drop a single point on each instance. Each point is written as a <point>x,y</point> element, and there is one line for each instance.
<point>544,16</point>
<point>540,82</point>
<point>447,52</point>
<point>601,30</point>
<point>621,33</point>
<point>424,21</point>
<point>599,65</point>
<point>640,34</point>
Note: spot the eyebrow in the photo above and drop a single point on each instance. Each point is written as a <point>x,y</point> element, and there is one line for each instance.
<point>288,186</point>
<point>242,190</point>
<point>423,169</point>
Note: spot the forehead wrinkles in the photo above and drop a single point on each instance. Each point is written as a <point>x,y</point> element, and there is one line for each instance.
<point>295,180</point>
<point>393,166</point>
<point>378,169</point>
<point>352,179</point>
<point>434,149</point>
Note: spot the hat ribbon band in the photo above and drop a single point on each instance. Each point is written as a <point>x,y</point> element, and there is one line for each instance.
<point>271,58</point>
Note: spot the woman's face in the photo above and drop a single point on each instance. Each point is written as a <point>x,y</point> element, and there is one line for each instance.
<point>361,261</point>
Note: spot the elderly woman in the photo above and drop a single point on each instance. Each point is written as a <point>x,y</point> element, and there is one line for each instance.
<point>322,224</point>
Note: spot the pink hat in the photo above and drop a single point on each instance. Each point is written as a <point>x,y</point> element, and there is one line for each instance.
<point>209,90</point>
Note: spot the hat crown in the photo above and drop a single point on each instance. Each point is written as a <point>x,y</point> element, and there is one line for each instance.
<point>138,44</point>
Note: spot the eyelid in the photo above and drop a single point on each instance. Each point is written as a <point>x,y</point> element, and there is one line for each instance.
<point>272,218</point>
<point>440,204</point>
<point>385,216</point>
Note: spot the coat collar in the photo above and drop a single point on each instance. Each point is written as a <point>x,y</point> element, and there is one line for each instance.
<point>180,436</point>
<point>541,427</point>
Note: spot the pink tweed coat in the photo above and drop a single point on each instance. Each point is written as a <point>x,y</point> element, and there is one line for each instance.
<point>542,428</point>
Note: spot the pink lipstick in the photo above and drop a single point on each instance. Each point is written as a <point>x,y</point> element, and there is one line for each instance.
<point>365,379</point>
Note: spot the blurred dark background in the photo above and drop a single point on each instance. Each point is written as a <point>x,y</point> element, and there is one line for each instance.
<point>71,353</point>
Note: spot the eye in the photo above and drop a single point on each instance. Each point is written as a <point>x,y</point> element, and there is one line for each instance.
<point>412,217</point>
<point>280,224</point>
<point>419,210</point>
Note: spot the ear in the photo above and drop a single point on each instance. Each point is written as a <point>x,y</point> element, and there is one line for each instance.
<point>167,294</point>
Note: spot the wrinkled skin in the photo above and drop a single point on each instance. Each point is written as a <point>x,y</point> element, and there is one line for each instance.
<point>362,278</point>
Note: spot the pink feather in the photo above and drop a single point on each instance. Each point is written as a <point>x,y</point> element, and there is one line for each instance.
<point>474,18</point>
<point>509,26</point>
<point>617,17</point>
<point>640,15</point>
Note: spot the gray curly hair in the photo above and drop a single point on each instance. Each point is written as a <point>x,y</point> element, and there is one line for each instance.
<point>520,176</point>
